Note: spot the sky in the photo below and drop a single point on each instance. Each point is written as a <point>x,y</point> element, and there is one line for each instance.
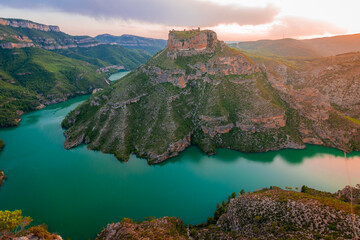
<point>233,20</point>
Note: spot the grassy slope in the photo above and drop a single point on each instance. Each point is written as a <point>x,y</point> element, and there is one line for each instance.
<point>105,55</point>
<point>27,73</point>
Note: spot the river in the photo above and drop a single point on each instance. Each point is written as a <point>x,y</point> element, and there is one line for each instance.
<point>77,192</point>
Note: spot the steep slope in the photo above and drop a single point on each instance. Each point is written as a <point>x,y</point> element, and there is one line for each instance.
<point>196,91</point>
<point>150,45</point>
<point>33,77</point>
<point>325,94</point>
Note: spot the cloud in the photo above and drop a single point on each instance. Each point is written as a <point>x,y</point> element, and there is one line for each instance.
<point>301,27</point>
<point>287,26</point>
<point>189,13</point>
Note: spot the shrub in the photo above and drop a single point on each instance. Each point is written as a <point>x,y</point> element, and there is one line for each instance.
<point>12,223</point>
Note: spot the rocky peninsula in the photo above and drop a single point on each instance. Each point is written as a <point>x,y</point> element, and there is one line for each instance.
<point>198,91</point>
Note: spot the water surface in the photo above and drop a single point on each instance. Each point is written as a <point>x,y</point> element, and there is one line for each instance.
<point>117,76</point>
<point>77,192</point>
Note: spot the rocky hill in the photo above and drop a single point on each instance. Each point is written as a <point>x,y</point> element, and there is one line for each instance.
<point>150,45</point>
<point>198,91</point>
<point>265,214</point>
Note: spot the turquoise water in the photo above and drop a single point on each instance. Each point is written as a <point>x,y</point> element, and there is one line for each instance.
<point>77,192</point>
<point>118,75</point>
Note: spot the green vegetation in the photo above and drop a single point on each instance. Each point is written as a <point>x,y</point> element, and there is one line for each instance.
<point>13,224</point>
<point>185,34</point>
<point>105,55</point>
<point>30,76</point>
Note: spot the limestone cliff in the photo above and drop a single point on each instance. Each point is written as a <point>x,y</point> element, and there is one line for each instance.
<point>13,35</point>
<point>19,23</point>
<point>200,92</point>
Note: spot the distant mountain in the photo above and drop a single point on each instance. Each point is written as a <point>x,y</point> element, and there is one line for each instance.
<point>330,46</point>
<point>105,54</point>
<point>40,65</point>
<point>17,33</point>
<point>134,42</point>
<point>317,47</point>
<point>283,47</point>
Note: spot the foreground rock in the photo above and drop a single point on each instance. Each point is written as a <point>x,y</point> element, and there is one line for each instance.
<point>266,214</point>
<point>162,228</point>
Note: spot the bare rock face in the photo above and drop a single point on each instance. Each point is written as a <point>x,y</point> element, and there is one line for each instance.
<point>27,24</point>
<point>350,194</point>
<point>192,40</point>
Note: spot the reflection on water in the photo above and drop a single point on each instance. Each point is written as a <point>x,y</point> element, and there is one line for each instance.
<point>77,192</point>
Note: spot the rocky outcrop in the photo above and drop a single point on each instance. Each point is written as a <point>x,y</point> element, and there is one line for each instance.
<point>277,214</point>
<point>2,178</point>
<point>192,40</point>
<point>162,228</point>
<point>350,194</point>
<point>18,23</point>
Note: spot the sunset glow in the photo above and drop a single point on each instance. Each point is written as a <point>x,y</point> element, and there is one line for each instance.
<point>234,20</point>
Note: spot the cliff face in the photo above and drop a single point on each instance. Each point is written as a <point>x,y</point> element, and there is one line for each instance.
<point>27,24</point>
<point>38,35</point>
<point>192,40</point>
